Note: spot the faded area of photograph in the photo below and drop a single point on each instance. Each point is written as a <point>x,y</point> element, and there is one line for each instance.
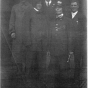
<point>43,44</point>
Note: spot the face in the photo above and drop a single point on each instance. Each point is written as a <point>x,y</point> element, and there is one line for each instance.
<point>58,10</point>
<point>74,6</point>
<point>39,6</point>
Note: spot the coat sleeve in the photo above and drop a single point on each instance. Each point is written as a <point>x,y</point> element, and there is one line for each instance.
<point>27,18</point>
<point>26,27</point>
<point>83,34</point>
<point>70,36</point>
<point>12,21</point>
<point>83,27</point>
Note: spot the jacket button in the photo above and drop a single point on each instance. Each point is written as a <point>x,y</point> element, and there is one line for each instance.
<point>56,24</point>
<point>56,29</point>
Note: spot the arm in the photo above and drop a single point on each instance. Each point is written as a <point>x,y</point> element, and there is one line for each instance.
<point>27,26</point>
<point>71,44</point>
<point>27,20</point>
<point>83,37</point>
<point>70,36</point>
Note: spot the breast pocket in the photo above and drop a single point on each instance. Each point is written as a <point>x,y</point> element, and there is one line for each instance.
<point>61,32</point>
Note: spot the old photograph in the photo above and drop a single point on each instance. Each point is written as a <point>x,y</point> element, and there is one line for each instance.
<point>43,43</point>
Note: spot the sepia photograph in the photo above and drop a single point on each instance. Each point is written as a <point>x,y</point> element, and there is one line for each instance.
<point>43,44</point>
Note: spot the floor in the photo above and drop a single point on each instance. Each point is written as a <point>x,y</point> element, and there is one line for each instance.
<point>11,79</point>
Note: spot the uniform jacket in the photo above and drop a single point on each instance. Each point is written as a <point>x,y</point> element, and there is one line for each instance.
<point>58,36</point>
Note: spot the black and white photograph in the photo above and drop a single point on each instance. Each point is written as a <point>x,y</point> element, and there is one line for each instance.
<point>43,44</point>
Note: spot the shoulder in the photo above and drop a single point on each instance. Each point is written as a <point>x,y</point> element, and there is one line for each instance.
<point>30,5</point>
<point>81,15</point>
<point>29,9</point>
<point>68,14</point>
<point>67,19</point>
<point>69,22</point>
<point>29,12</point>
<point>15,6</point>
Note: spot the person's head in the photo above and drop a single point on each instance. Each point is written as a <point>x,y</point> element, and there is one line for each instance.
<point>39,5</point>
<point>74,6</point>
<point>58,8</point>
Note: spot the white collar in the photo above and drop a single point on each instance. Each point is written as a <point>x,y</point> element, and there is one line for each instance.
<point>36,9</point>
<point>74,14</point>
<point>48,2</point>
<point>25,3</point>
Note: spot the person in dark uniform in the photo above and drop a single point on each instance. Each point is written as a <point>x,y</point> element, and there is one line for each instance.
<point>16,32</point>
<point>56,46</point>
<point>79,33</point>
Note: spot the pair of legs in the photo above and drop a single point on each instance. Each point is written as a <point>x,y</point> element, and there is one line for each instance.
<point>78,56</point>
<point>57,70</point>
<point>78,60</point>
<point>18,56</point>
<point>31,64</point>
<point>23,56</point>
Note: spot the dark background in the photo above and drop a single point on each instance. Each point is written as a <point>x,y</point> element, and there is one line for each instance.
<point>6,61</point>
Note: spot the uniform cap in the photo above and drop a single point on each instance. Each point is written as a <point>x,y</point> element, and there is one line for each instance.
<point>59,2</point>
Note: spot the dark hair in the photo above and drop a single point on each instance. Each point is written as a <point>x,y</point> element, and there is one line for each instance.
<point>72,1</point>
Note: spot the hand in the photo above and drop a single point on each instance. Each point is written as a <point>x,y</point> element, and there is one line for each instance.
<point>13,35</point>
<point>71,55</point>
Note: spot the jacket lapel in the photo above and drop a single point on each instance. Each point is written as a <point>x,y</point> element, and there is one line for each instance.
<point>76,18</point>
